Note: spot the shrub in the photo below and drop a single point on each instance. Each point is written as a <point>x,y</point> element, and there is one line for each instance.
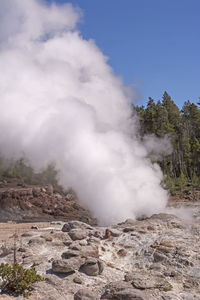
<point>17,280</point>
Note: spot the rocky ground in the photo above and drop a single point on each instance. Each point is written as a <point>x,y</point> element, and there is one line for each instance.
<point>26,203</point>
<point>150,258</point>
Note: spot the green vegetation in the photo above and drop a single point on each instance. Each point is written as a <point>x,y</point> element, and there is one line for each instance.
<point>17,280</point>
<point>22,170</point>
<point>182,166</point>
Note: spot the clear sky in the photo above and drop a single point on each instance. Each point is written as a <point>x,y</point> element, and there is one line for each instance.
<point>154,45</point>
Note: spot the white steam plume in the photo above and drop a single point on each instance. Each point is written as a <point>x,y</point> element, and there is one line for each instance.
<point>60,101</point>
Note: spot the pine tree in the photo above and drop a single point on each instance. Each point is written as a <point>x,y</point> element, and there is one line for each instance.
<point>183,129</point>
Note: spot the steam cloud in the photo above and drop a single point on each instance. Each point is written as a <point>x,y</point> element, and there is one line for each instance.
<point>60,101</point>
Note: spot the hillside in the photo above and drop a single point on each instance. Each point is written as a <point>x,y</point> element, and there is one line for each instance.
<point>30,203</point>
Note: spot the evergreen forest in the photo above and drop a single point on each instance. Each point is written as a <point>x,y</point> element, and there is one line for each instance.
<point>182,126</point>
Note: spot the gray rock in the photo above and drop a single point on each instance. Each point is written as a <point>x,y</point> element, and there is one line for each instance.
<point>92,267</point>
<point>56,223</point>
<point>36,191</point>
<point>129,222</point>
<point>163,217</point>
<point>70,253</point>
<point>30,233</point>
<point>114,287</point>
<point>34,227</point>
<point>101,266</point>
<point>128,229</point>
<point>85,251</point>
<point>83,243</point>
<point>143,282</point>
<point>85,294</point>
<point>157,267</point>
<point>90,251</point>
<point>78,234</point>
<point>66,266</point>
<point>131,294</point>
<point>75,246</point>
<point>49,189</point>
<point>121,290</point>
<point>159,256</point>
<point>112,232</point>
<point>69,196</point>
<point>53,279</point>
<point>77,280</point>
<point>75,225</point>
<point>5,250</point>
<point>36,241</point>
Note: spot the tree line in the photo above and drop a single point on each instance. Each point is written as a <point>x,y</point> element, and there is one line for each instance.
<point>182,167</point>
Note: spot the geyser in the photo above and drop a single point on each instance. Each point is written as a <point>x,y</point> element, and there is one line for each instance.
<point>60,101</point>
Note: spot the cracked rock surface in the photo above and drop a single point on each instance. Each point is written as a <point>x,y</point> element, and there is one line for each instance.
<point>151,258</point>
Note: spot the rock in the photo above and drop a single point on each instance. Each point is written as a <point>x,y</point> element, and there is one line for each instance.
<point>144,282</point>
<point>165,243</point>
<point>34,227</point>
<point>49,189</point>
<point>4,251</point>
<point>92,267</point>
<point>77,280</point>
<point>157,267</point>
<point>36,241</point>
<point>122,252</point>
<point>85,294</point>
<point>128,229</point>
<point>163,217</point>
<point>151,228</point>
<point>37,203</point>
<point>53,279</point>
<point>66,266</point>
<point>88,220</point>
<point>70,253</point>
<point>61,236</point>
<point>112,233</point>
<point>116,286</point>
<point>21,249</point>
<point>129,222</point>
<point>158,256</point>
<point>78,234</point>
<point>45,291</point>
<point>58,196</point>
<point>69,197</point>
<point>47,237</point>
<point>194,272</point>
<point>75,225</point>
<point>56,223</point>
<point>101,266</point>
<point>131,294</point>
<point>121,290</point>
<point>36,191</point>
<point>75,246</point>
<point>83,243</point>
<point>93,240</point>
<point>30,233</point>
<point>90,251</point>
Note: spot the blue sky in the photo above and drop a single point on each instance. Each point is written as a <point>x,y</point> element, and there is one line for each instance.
<point>154,45</point>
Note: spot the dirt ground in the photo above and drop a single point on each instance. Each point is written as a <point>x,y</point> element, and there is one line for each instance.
<point>7,230</point>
